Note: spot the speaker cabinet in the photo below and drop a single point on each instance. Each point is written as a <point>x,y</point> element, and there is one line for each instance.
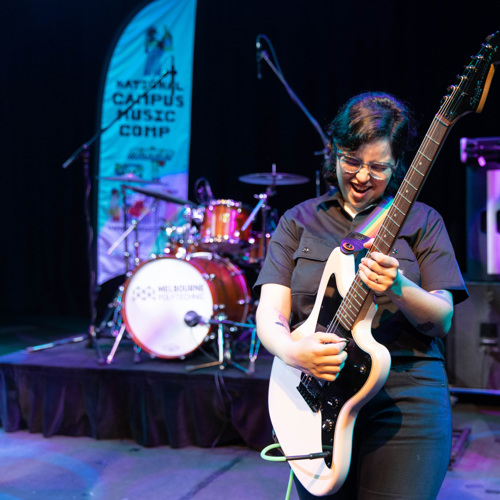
<point>472,346</point>
<point>481,156</point>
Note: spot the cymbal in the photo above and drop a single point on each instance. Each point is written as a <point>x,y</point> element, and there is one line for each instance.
<point>273,179</point>
<point>161,195</point>
<point>127,178</point>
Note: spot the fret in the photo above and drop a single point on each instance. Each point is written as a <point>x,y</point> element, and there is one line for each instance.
<point>357,302</point>
<point>359,296</point>
<point>402,196</point>
<point>400,211</point>
<point>351,295</point>
<point>386,244</point>
<point>387,231</point>
<point>393,221</point>
<point>348,306</point>
<point>441,122</point>
<point>422,154</point>
<point>432,140</point>
<point>410,184</point>
<point>415,169</point>
<point>359,284</point>
<point>346,325</point>
<point>348,315</point>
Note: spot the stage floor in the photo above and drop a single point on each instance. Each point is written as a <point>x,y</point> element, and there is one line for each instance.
<point>150,427</point>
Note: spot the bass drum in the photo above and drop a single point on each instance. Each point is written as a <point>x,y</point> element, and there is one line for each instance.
<point>160,292</point>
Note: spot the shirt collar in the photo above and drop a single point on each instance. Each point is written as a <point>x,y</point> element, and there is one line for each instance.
<point>334,198</point>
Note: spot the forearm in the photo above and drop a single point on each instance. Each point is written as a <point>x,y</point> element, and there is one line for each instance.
<point>273,330</point>
<point>429,312</point>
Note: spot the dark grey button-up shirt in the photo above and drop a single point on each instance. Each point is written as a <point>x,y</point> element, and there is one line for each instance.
<point>307,234</point>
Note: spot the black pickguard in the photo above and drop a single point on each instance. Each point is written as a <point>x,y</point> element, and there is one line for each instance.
<point>330,397</point>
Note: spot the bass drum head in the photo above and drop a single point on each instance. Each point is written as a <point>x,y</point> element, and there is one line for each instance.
<point>155,301</point>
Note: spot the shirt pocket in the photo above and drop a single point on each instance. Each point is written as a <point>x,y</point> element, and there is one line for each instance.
<point>408,264</point>
<point>310,259</point>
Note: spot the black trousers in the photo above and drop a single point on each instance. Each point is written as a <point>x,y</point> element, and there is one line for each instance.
<point>402,437</point>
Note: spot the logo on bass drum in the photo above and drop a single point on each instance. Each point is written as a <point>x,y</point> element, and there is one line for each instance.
<point>143,293</point>
<point>183,293</point>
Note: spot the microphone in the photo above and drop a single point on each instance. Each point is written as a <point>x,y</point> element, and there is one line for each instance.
<point>191,318</point>
<point>259,57</point>
<point>203,191</point>
<point>208,190</point>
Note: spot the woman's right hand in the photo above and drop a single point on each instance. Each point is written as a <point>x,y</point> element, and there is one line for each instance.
<point>321,355</point>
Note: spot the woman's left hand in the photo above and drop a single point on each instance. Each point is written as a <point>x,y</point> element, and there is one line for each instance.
<point>378,271</point>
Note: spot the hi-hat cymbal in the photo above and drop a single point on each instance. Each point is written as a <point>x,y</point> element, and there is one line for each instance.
<point>161,195</point>
<point>127,178</point>
<point>273,179</point>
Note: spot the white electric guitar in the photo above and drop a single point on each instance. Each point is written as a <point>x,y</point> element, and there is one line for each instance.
<point>314,419</point>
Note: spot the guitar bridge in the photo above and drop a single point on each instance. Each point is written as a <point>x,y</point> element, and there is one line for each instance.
<point>310,389</point>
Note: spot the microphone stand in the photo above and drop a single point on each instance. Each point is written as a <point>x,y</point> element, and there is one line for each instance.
<point>83,150</point>
<point>262,54</point>
<point>91,334</point>
<point>224,347</point>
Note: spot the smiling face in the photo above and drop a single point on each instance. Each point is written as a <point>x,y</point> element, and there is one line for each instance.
<point>361,190</point>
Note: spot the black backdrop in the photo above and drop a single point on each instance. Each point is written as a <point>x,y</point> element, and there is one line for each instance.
<point>53,54</point>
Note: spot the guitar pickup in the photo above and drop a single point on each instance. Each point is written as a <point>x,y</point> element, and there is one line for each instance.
<point>311,390</point>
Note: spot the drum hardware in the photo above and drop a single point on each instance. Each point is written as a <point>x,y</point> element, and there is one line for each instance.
<point>224,343</point>
<point>114,322</point>
<point>183,240</point>
<point>273,179</point>
<point>134,224</point>
<point>160,195</point>
<point>118,334</point>
<point>117,324</point>
<point>130,177</point>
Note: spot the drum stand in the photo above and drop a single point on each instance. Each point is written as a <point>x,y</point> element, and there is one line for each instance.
<point>263,206</point>
<point>114,317</point>
<point>224,347</point>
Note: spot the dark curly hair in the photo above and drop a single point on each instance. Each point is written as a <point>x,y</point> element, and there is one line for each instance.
<point>367,117</point>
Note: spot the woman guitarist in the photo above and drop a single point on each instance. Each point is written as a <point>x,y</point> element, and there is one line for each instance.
<point>402,437</point>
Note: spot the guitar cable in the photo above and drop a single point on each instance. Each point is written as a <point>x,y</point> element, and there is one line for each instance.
<point>264,455</point>
<point>285,458</point>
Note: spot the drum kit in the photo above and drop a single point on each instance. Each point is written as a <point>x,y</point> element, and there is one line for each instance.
<point>195,291</point>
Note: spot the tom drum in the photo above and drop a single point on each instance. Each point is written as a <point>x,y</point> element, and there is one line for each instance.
<point>221,229</point>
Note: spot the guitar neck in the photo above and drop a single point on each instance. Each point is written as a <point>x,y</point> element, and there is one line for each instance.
<point>468,95</point>
<point>393,222</point>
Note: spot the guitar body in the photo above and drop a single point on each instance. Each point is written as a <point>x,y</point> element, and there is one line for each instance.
<point>302,431</point>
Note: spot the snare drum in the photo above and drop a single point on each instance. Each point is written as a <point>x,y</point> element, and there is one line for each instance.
<point>221,226</point>
<point>159,294</point>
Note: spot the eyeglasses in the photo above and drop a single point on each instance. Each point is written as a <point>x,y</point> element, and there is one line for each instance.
<point>352,165</point>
